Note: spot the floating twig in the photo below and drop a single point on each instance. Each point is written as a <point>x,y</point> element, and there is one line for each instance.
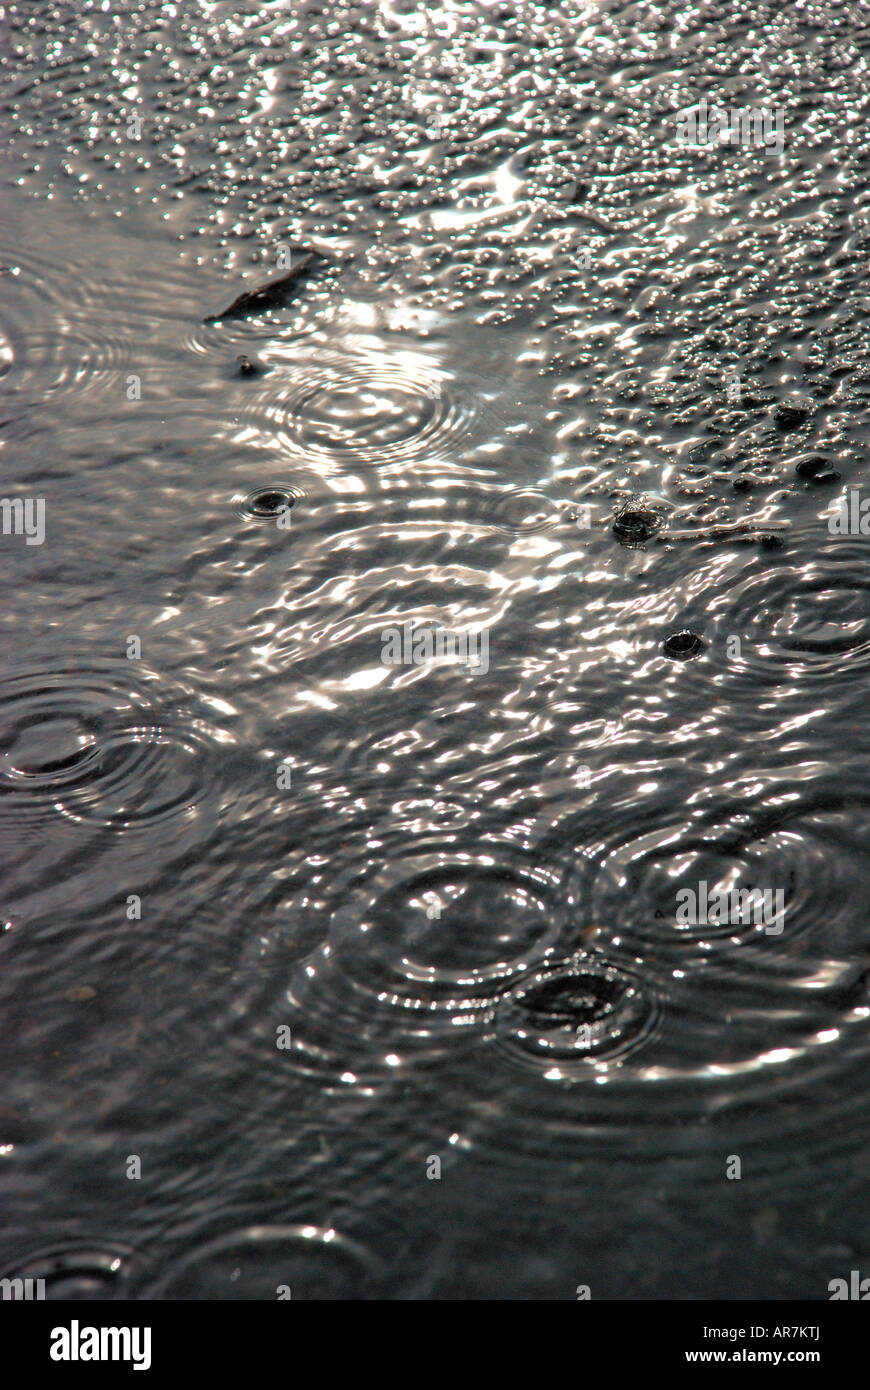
<point>270,295</point>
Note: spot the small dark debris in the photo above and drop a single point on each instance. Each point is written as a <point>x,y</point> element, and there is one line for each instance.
<point>704,451</point>
<point>770,542</point>
<point>789,417</point>
<point>815,468</point>
<point>248,367</point>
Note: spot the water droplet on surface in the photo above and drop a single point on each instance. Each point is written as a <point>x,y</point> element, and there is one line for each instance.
<point>683,646</point>
<point>576,1013</point>
<point>268,503</point>
<point>635,524</point>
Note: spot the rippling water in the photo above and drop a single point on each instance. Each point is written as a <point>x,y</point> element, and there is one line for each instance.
<point>288,923</point>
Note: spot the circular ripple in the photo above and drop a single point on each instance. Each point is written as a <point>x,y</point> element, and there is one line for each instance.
<point>68,358</point>
<point>265,971</point>
<point>266,503</point>
<point>672,1020</point>
<point>302,1262</point>
<point>79,1274</point>
<point>580,1013</point>
<point>446,934</point>
<point>797,624</point>
<point>91,340</point>
<point>358,411</point>
<point>93,747</point>
<point>750,980</point>
<point>656,1076</point>
<point>50,752</point>
<point>523,511</point>
<point>418,953</point>
<point>635,876</point>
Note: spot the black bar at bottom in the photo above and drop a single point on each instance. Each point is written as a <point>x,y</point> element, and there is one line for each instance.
<point>232,1339</point>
